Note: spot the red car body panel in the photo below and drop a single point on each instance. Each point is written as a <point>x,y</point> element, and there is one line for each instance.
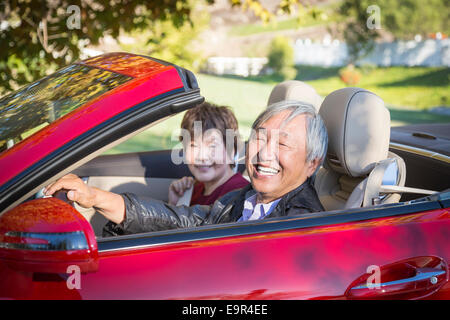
<point>157,80</point>
<point>306,263</point>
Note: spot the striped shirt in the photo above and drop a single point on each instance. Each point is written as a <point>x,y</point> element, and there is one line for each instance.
<point>256,211</point>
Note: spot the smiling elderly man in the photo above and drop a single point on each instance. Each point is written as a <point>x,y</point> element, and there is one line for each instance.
<point>287,144</point>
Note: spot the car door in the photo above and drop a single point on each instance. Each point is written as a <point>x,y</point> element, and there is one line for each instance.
<point>395,251</point>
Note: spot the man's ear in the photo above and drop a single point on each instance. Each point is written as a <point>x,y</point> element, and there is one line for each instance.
<point>312,166</point>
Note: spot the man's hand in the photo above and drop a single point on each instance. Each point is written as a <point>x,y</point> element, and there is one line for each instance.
<point>76,189</point>
<point>178,187</point>
<point>111,205</point>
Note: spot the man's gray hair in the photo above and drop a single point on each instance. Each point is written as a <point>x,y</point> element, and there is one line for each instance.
<point>316,132</point>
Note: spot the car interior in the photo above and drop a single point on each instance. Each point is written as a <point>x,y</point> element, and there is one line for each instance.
<point>360,169</point>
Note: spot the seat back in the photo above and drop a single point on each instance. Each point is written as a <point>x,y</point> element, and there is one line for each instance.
<point>358,157</point>
<point>295,90</point>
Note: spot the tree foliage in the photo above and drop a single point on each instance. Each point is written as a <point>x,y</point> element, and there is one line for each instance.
<point>406,18</point>
<point>281,58</point>
<point>167,42</point>
<point>41,35</point>
<point>403,19</point>
<point>38,36</point>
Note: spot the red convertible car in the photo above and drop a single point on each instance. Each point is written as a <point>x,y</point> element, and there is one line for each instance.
<point>50,249</point>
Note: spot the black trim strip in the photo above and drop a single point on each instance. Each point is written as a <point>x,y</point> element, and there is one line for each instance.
<point>107,132</point>
<point>265,226</point>
<point>56,241</point>
<point>445,203</point>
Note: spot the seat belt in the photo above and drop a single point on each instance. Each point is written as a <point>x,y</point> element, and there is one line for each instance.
<point>369,189</point>
<point>374,182</point>
<point>185,199</point>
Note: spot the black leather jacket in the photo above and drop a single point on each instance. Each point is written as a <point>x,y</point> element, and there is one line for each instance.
<point>155,215</point>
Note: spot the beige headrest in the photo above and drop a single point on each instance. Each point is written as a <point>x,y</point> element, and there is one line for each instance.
<point>358,125</point>
<point>295,90</point>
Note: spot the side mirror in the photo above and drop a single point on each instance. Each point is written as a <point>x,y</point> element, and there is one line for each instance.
<point>47,236</point>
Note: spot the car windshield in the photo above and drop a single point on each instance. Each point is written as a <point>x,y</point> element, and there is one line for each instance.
<point>35,106</point>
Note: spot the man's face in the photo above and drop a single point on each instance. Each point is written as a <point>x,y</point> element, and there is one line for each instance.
<point>276,156</point>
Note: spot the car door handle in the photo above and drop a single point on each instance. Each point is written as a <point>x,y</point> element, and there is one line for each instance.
<point>406,280</point>
<point>422,276</point>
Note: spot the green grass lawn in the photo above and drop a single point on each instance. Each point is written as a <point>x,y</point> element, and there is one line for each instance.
<point>417,88</point>
<point>408,93</point>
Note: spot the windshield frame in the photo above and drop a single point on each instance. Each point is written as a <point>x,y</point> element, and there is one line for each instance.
<point>37,105</point>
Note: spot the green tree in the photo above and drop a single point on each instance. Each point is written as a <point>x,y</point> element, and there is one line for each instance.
<point>406,18</point>
<point>403,19</point>
<point>167,42</point>
<point>39,36</point>
<point>281,58</point>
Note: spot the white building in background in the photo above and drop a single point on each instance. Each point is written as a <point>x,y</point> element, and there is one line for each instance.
<point>329,53</point>
<point>334,53</point>
<point>239,66</point>
<point>429,53</point>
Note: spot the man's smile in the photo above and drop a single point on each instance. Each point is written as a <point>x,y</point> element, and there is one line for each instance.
<point>266,170</point>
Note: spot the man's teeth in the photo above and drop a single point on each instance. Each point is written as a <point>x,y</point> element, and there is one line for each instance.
<point>267,171</point>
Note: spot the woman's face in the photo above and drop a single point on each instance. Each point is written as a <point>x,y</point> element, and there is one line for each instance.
<point>206,156</point>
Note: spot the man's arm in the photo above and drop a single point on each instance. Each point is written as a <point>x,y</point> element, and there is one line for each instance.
<point>154,215</point>
<point>128,213</point>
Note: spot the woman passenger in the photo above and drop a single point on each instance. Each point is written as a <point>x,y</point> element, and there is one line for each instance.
<point>205,149</point>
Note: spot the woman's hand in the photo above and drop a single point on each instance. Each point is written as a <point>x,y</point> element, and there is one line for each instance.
<point>178,187</point>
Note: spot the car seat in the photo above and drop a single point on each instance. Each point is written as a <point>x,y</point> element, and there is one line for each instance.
<point>295,90</point>
<point>358,163</point>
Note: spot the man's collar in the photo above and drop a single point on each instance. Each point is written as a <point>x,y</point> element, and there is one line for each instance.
<point>291,194</point>
<point>256,210</point>
<point>251,192</point>
<point>286,201</point>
